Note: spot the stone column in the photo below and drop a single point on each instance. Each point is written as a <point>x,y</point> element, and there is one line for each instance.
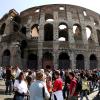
<point>98,59</point>
<point>84,37</point>
<point>72,60</point>
<point>41,39</point>
<point>25,59</point>
<point>16,56</point>
<point>70,30</point>
<point>86,61</point>
<point>1,53</point>
<point>55,40</point>
<point>94,32</point>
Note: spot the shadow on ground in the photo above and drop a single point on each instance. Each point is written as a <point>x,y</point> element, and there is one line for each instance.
<point>97,97</point>
<point>8,99</point>
<point>2,92</point>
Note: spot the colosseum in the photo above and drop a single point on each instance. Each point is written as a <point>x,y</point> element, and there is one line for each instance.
<point>58,35</point>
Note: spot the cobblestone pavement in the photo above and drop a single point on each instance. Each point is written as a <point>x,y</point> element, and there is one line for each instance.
<point>92,96</point>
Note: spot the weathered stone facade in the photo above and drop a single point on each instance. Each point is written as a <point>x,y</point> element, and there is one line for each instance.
<point>52,35</point>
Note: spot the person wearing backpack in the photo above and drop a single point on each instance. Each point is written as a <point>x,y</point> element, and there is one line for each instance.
<point>85,88</point>
<point>73,95</point>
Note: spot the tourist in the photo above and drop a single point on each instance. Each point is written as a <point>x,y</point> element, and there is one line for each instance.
<point>20,88</point>
<point>29,78</point>
<point>72,87</point>
<point>85,88</point>
<point>67,81</point>
<point>38,89</point>
<point>8,81</point>
<point>57,87</point>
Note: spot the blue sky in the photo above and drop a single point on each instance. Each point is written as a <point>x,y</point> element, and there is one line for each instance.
<point>20,5</point>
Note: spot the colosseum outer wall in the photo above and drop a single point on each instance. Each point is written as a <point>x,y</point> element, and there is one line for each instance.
<point>52,23</point>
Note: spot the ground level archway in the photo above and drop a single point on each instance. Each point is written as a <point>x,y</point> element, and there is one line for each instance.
<point>93,61</point>
<point>47,60</point>
<point>80,61</point>
<point>32,62</point>
<point>64,61</point>
<point>6,58</point>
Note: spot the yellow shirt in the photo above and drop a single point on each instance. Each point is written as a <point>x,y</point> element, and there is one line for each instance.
<point>85,85</point>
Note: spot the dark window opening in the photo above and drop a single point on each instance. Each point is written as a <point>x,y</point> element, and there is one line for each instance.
<point>48,32</point>
<point>17,19</point>
<point>23,30</point>
<point>2,29</point>
<point>15,27</point>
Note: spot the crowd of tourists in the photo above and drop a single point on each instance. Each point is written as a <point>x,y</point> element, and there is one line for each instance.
<point>47,84</point>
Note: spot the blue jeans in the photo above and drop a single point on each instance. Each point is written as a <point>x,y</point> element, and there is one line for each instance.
<point>8,86</point>
<point>18,97</point>
<point>83,93</point>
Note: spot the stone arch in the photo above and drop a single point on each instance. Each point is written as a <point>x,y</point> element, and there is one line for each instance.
<point>88,29</point>
<point>93,61</point>
<point>47,60</point>
<point>98,35</point>
<point>3,26</point>
<point>6,58</point>
<point>35,30</point>
<point>48,32</point>
<point>63,32</point>
<point>80,61</point>
<point>32,61</point>
<point>64,60</point>
<point>77,32</point>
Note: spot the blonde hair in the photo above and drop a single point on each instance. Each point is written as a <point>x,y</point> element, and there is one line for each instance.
<point>39,75</point>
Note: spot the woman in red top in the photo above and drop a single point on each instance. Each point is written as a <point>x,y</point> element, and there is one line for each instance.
<point>72,87</point>
<point>57,87</point>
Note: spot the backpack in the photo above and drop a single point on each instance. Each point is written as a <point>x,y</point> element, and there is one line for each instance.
<point>78,86</point>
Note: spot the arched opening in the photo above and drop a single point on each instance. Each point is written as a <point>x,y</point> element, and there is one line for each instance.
<point>35,30</point>
<point>23,30</point>
<point>98,35</point>
<point>6,58</point>
<point>77,32</point>
<point>32,62</point>
<point>2,29</point>
<point>93,61</point>
<point>80,61</point>
<point>64,61</point>
<point>16,23</point>
<point>63,32</point>
<point>48,32</point>
<point>89,34</point>
<point>96,22</point>
<point>49,17</point>
<point>47,60</point>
